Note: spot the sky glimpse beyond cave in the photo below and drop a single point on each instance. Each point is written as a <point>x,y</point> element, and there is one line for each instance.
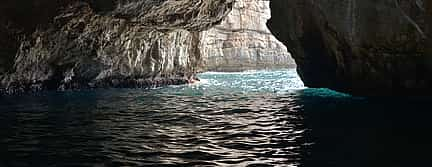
<point>243,83</point>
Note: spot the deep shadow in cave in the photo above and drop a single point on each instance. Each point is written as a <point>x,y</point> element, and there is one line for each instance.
<point>367,132</point>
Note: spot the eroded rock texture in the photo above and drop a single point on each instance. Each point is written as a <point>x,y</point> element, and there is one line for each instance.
<point>366,47</point>
<point>243,42</point>
<point>101,43</point>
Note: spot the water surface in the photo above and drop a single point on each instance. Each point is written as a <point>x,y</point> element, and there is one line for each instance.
<point>257,118</point>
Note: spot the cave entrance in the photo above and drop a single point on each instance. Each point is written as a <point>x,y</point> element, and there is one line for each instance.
<point>242,41</point>
<point>243,46</point>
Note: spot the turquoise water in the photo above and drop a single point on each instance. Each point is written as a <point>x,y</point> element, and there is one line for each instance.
<point>256,118</point>
<point>250,83</point>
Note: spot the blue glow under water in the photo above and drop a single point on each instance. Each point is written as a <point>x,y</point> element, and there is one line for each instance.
<point>257,118</point>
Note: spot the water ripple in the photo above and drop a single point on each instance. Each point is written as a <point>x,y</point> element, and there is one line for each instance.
<point>243,119</point>
<point>143,128</point>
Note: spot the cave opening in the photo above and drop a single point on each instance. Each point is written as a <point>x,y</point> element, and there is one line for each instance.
<point>242,42</point>
<point>109,83</point>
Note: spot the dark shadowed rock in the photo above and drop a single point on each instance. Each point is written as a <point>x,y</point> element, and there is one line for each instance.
<point>365,47</point>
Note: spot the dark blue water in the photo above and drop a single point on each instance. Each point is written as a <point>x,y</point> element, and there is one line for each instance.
<point>229,119</point>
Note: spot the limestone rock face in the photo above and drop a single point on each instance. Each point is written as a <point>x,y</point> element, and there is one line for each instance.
<point>365,47</point>
<point>101,43</point>
<point>243,42</point>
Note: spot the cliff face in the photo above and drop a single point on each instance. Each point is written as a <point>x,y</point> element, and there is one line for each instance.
<point>243,42</point>
<point>363,47</point>
<point>100,43</point>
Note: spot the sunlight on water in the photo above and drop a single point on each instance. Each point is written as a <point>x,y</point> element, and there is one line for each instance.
<point>255,118</point>
<point>227,119</point>
<point>282,81</point>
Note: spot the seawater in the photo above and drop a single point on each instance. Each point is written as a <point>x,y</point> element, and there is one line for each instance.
<point>254,118</point>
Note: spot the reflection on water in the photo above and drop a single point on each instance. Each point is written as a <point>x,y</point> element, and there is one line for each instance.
<point>242,119</point>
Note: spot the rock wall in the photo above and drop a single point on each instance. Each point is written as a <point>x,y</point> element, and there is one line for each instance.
<point>364,47</point>
<point>243,42</point>
<point>98,43</point>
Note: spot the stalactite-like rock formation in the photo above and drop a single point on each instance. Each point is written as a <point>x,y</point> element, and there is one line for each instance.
<point>243,42</point>
<point>97,43</point>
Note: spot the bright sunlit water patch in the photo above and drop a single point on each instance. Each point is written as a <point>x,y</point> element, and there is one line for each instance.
<point>256,118</point>
<point>250,82</point>
<point>254,81</point>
